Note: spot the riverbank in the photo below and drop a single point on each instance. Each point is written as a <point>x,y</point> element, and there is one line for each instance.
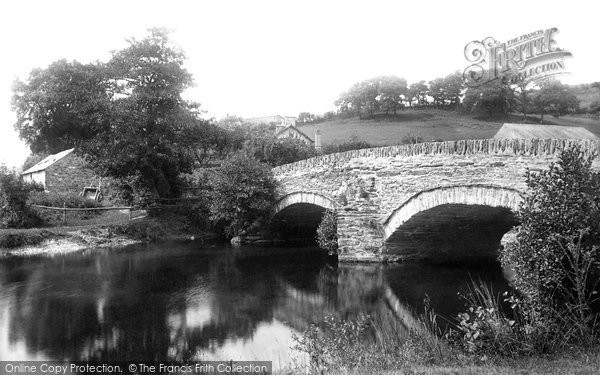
<point>565,363</point>
<point>61,240</point>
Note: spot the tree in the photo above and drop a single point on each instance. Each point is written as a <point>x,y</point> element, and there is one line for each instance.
<point>436,91</point>
<point>243,191</point>
<point>492,97</point>
<point>556,254</point>
<point>306,117</point>
<point>419,91</point>
<point>61,106</point>
<point>556,99</point>
<point>127,116</point>
<point>523,91</point>
<point>453,87</point>
<point>391,93</point>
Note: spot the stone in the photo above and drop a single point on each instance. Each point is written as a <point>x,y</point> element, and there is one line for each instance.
<point>404,180</point>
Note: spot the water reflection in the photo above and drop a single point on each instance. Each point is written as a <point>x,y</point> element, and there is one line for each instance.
<point>182,302</point>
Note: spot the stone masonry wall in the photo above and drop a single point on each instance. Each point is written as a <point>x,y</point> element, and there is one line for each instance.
<point>368,185</point>
<point>68,175</point>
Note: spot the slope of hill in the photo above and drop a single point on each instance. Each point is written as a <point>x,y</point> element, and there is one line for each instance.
<point>428,125</point>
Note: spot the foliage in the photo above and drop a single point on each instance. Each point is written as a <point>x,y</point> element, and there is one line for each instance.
<point>556,254</point>
<point>126,116</point>
<point>556,99</point>
<point>366,97</point>
<point>338,344</point>
<point>485,329</point>
<point>33,159</point>
<point>11,238</point>
<point>260,142</point>
<point>327,232</point>
<point>14,212</point>
<point>243,191</point>
<point>496,97</point>
<point>353,143</point>
<point>61,106</point>
<point>365,342</point>
<point>58,199</point>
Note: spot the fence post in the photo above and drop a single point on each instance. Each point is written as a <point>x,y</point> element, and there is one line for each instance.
<point>64,212</point>
<point>129,213</point>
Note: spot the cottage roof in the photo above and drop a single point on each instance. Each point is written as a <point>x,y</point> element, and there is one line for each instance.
<point>48,161</point>
<point>295,130</point>
<point>527,131</point>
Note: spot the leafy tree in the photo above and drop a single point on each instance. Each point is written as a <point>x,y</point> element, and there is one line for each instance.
<point>243,191</point>
<point>14,212</point>
<point>419,91</point>
<point>61,106</point>
<point>306,117</point>
<point>523,91</point>
<point>452,87</point>
<point>556,99</point>
<point>391,93</point>
<point>436,91</point>
<point>127,116</point>
<point>493,97</point>
<point>327,232</point>
<point>556,255</point>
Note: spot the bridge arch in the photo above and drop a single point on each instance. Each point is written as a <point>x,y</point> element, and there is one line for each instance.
<point>484,195</point>
<point>303,197</point>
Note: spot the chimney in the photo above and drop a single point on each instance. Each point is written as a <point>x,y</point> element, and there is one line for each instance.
<point>318,140</point>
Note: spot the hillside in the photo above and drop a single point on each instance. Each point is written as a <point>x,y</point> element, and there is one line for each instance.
<point>428,124</point>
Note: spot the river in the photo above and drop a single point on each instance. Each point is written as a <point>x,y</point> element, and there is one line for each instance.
<point>188,301</point>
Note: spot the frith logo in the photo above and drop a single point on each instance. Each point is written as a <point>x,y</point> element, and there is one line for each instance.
<point>531,56</point>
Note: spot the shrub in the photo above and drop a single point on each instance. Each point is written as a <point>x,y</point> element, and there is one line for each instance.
<point>243,192</point>
<point>327,232</point>
<point>288,150</point>
<point>56,199</point>
<point>556,253</point>
<point>351,144</point>
<point>14,212</point>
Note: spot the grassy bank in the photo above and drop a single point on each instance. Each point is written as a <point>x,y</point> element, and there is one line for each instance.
<point>101,232</point>
<point>429,124</point>
<point>568,363</point>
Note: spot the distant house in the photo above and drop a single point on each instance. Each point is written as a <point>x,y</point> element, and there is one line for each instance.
<point>279,121</point>
<point>285,127</point>
<point>63,172</point>
<point>529,131</point>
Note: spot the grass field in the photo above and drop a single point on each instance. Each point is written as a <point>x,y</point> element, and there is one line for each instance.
<point>428,124</point>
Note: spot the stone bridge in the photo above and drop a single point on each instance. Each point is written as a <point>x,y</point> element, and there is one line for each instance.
<point>390,200</point>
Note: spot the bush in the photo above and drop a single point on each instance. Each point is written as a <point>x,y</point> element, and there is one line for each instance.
<point>556,254</point>
<point>327,232</point>
<point>55,199</point>
<point>243,192</point>
<point>351,144</point>
<point>14,212</point>
<point>288,150</point>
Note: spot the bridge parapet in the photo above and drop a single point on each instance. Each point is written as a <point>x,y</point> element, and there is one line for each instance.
<point>515,147</point>
<point>378,189</point>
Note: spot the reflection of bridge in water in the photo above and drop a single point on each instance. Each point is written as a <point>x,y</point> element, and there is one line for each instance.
<point>180,305</point>
<point>389,200</point>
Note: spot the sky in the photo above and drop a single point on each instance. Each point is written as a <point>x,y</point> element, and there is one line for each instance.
<point>260,58</point>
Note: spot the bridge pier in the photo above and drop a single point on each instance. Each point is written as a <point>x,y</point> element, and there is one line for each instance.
<point>360,238</point>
